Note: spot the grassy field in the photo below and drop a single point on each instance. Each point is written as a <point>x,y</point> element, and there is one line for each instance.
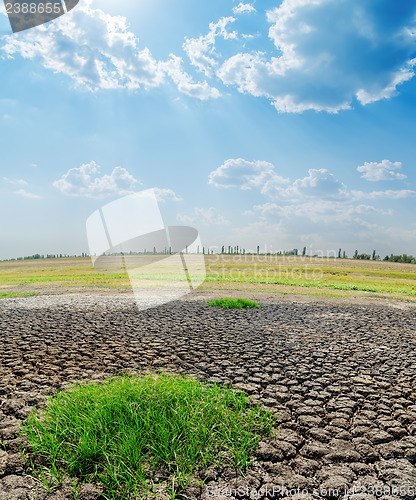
<point>272,274</point>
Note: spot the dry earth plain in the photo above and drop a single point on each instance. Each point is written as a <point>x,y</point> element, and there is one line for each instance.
<point>340,373</point>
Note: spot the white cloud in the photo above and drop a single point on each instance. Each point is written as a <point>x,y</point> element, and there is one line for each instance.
<point>243,174</point>
<point>184,82</point>
<point>201,50</point>
<point>318,211</point>
<point>16,182</point>
<point>388,194</point>
<point>249,36</point>
<point>203,216</point>
<point>320,225</point>
<point>328,53</point>
<point>25,194</point>
<point>243,8</point>
<point>163,195</point>
<point>403,75</point>
<point>87,181</point>
<point>320,183</point>
<point>317,208</point>
<point>21,192</point>
<point>384,171</point>
<point>98,51</point>
<point>95,49</point>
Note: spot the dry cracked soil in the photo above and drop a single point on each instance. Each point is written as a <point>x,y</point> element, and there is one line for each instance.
<point>341,377</point>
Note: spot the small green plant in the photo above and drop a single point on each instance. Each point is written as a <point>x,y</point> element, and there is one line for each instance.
<point>122,431</point>
<point>14,295</point>
<point>234,303</point>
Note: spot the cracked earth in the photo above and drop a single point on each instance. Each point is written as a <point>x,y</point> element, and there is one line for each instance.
<point>340,376</point>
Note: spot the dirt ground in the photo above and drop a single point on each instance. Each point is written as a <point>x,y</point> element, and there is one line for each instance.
<point>340,374</point>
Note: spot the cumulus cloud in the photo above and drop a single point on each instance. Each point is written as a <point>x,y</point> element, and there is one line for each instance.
<point>243,174</point>
<point>329,53</point>
<point>201,50</point>
<point>329,225</point>
<point>243,8</point>
<point>384,171</point>
<point>95,49</point>
<point>203,216</point>
<point>320,183</point>
<point>318,205</point>
<point>98,52</point>
<point>326,54</point>
<point>87,181</point>
<point>184,82</point>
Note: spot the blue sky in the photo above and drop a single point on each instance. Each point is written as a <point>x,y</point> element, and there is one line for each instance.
<point>279,124</point>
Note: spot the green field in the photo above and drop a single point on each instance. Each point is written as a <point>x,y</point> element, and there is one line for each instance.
<point>273,274</point>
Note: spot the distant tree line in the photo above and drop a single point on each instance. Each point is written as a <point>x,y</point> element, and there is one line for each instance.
<point>236,250</point>
<point>366,256</point>
<point>406,259</point>
<point>229,250</point>
<point>38,256</point>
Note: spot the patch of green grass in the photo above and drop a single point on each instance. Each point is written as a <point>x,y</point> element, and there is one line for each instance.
<point>121,431</point>
<point>64,277</point>
<point>13,295</point>
<point>227,303</point>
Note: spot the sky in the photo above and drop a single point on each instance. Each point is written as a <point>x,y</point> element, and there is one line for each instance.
<point>284,124</point>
